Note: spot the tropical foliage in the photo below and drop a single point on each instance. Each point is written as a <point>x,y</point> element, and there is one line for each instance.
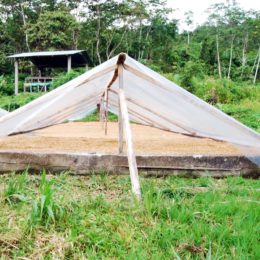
<point>227,45</point>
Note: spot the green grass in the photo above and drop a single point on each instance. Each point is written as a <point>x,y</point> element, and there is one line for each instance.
<point>11,103</point>
<point>96,217</point>
<point>95,117</point>
<point>244,113</point>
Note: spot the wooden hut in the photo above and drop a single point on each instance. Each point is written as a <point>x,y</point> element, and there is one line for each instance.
<point>48,59</point>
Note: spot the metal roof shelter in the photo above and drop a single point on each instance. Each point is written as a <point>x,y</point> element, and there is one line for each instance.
<point>51,59</point>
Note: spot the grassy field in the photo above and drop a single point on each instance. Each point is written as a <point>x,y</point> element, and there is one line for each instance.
<point>75,217</point>
<point>96,217</point>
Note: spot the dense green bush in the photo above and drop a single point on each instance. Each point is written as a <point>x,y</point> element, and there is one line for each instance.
<point>191,70</point>
<point>11,103</point>
<point>6,85</point>
<point>244,114</point>
<point>63,77</point>
<point>223,90</point>
<point>176,78</point>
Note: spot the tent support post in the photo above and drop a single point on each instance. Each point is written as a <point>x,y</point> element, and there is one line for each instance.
<point>69,64</point>
<point>120,124</point>
<point>106,110</point>
<point>128,134</point>
<point>16,77</point>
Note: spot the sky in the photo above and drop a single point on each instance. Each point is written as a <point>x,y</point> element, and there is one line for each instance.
<point>198,7</point>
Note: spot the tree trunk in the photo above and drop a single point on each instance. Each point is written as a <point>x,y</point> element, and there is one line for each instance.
<point>244,58</point>
<point>231,56</point>
<point>25,31</point>
<point>257,66</point>
<point>255,60</point>
<point>218,58</point>
<point>112,51</point>
<point>146,40</point>
<point>140,41</point>
<point>98,35</point>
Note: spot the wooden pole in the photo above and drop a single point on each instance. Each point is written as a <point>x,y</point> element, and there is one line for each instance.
<point>16,77</point>
<point>257,66</point>
<point>124,119</point>
<point>120,124</point>
<point>106,110</point>
<point>69,63</point>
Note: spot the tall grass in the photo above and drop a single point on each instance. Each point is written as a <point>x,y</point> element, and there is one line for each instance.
<point>96,217</point>
<point>15,190</point>
<point>45,209</point>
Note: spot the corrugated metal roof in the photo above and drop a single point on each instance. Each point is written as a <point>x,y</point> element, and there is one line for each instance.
<point>45,53</point>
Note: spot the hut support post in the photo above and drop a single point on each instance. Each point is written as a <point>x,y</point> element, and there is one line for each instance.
<point>16,77</point>
<point>128,134</point>
<point>69,64</point>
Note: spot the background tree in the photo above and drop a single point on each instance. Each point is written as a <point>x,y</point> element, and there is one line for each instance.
<point>54,30</point>
<point>189,16</point>
<point>226,45</point>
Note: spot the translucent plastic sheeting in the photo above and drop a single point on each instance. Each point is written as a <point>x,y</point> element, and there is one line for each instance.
<point>151,100</point>
<point>3,112</point>
<point>70,101</point>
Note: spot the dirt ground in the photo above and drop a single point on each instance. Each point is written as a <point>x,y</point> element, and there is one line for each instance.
<point>90,137</point>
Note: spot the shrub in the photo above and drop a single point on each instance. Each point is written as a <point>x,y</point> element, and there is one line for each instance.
<point>247,115</point>
<point>11,103</point>
<point>191,70</point>
<point>64,77</point>
<point>6,85</point>
<point>223,90</point>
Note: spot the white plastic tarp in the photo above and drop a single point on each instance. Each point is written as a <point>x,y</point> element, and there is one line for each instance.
<point>3,112</point>
<point>151,99</point>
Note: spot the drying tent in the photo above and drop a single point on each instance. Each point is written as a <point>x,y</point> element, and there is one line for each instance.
<point>150,99</point>
<point>3,112</point>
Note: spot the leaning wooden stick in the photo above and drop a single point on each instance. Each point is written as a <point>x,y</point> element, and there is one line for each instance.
<point>120,124</point>
<point>128,134</point>
<point>101,111</point>
<point>106,110</point>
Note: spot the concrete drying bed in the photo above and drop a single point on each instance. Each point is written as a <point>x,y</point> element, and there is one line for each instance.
<point>83,147</point>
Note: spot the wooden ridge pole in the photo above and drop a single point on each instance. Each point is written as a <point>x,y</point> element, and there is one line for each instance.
<point>124,124</point>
